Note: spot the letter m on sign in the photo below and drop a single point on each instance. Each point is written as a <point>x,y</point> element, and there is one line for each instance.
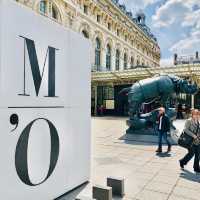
<point>35,69</point>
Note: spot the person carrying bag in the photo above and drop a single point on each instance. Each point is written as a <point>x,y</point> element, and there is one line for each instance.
<point>190,139</point>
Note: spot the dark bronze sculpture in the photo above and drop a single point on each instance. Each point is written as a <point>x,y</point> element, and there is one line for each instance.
<point>160,88</point>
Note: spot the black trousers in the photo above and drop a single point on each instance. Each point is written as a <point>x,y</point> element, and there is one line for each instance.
<point>193,151</point>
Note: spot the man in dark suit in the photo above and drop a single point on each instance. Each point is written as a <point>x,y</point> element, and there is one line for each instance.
<point>163,128</point>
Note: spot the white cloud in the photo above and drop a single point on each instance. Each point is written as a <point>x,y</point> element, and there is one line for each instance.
<point>187,45</point>
<point>177,11</point>
<point>192,19</point>
<point>166,62</point>
<point>172,11</point>
<point>185,14</point>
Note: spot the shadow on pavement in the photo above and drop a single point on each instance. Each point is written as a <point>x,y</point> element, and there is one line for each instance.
<point>164,155</point>
<point>146,140</point>
<point>186,174</point>
<point>135,142</point>
<point>73,194</point>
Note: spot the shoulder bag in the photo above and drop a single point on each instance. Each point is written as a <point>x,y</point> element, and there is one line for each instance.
<point>185,140</point>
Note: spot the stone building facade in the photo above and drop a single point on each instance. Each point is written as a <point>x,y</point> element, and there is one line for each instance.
<point>120,41</point>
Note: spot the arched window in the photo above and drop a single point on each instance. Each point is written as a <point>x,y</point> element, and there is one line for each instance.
<point>108,57</point>
<point>85,34</point>
<point>49,9</point>
<point>98,53</point>
<point>132,62</point>
<point>125,61</point>
<point>117,61</point>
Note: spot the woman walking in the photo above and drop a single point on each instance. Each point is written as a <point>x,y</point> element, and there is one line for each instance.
<point>192,128</point>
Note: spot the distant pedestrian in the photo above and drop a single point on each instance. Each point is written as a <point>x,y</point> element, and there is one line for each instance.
<point>179,111</point>
<point>163,128</point>
<point>187,111</point>
<point>192,128</point>
<point>101,110</point>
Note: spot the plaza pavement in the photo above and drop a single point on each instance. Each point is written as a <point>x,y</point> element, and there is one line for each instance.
<point>147,176</point>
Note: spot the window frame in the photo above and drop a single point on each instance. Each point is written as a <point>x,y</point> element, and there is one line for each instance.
<point>125,61</point>
<point>98,53</point>
<point>117,60</point>
<point>108,57</point>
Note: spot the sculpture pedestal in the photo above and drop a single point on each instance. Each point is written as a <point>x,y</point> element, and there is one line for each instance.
<point>149,131</point>
<point>150,135</point>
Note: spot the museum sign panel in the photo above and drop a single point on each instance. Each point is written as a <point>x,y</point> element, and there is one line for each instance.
<point>44,106</point>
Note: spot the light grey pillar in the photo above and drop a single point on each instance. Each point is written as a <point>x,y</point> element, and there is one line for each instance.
<point>103,59</point>
<point>192,101</point>
<point>113,56</point>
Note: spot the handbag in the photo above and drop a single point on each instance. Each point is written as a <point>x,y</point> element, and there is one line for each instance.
<point>185,140</point>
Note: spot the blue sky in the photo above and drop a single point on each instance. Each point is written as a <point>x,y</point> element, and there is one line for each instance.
<point>175,23</point>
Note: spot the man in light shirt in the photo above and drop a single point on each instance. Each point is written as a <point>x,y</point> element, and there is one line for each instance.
<point>163,128</point>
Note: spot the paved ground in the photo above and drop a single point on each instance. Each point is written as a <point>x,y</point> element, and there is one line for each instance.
<point>147,175</point>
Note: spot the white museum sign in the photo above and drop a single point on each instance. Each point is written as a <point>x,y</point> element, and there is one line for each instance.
<point>44,106</point>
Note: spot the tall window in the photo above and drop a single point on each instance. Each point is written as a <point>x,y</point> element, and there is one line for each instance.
<point>49,9</point>
<point>85,34</point>
<point>126,37</point>
<point>132,62</point>
<point>143,63</point>
<point>117,32</point>
<point>85,9</point>
<point>132,42</point>
<point>108,92</point>
<point>43,7</point>
<point>98,53</point>
<point>109,26</point>
<point>98,18</point>
<point>117,61</point>
<point>125,61</point>
<point>54,12</point>
<point>108,57</point>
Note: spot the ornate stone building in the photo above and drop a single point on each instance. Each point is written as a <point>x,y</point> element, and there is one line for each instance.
<point>120,41</point>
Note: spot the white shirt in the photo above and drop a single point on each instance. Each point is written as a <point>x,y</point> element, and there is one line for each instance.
<point>160,123</point>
